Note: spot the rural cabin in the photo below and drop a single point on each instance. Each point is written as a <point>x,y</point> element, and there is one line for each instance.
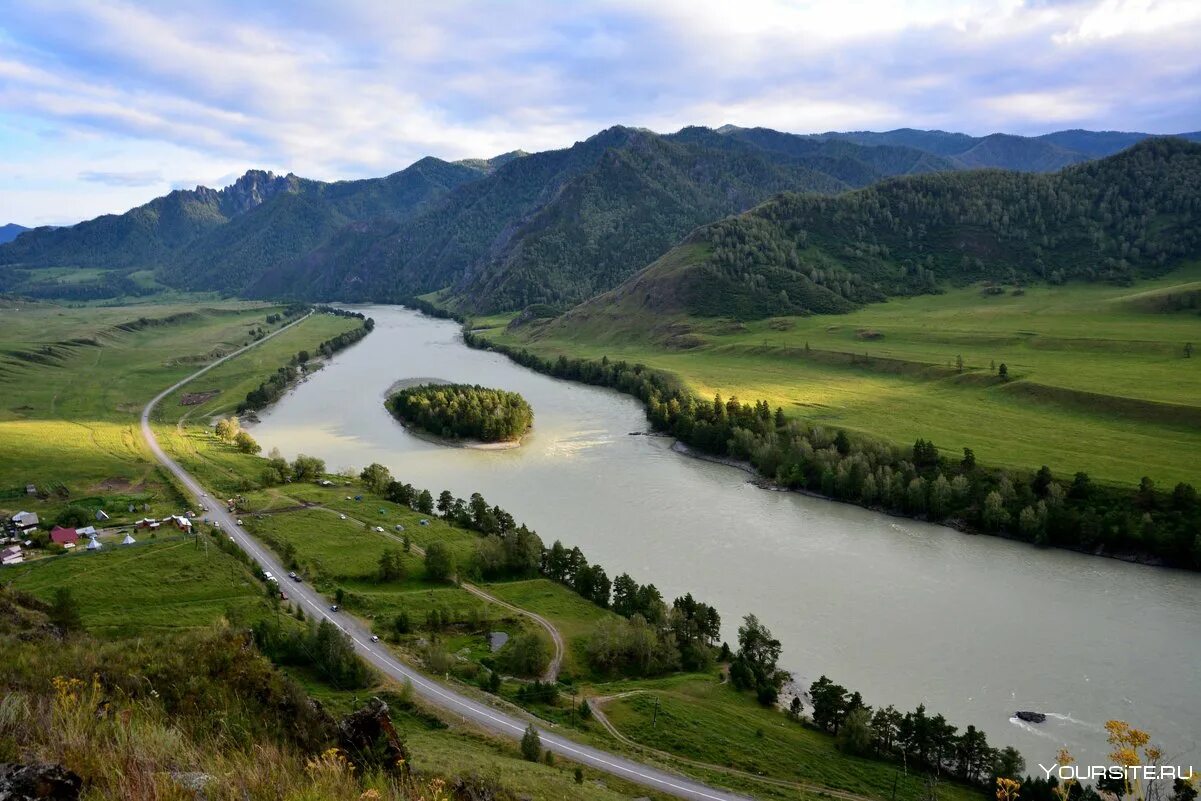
<point>66,537</point>
<point>11,555</point>
<point>25,521</point>
<point>147,522</point>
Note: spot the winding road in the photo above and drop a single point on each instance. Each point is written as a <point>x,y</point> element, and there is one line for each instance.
<point>433,692</point>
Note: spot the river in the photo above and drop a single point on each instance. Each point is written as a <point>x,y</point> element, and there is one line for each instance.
<point>975,627</point>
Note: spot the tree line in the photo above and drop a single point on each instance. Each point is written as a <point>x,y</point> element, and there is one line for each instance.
<point>274,387</point>
<point>463,411</point>
<point>1036,506</point>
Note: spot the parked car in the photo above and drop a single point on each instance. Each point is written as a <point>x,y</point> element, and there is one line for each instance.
<point>341,517</point>
<point>334,608</point>
<point>375,638</point>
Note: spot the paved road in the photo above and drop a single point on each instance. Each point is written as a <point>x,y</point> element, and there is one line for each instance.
<point>435,693</point>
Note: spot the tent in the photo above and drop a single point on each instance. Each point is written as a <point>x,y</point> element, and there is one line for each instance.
<point>129,540</point>
<point>94,544</point>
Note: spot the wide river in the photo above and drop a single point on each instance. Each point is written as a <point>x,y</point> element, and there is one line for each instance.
<point>974,627</point>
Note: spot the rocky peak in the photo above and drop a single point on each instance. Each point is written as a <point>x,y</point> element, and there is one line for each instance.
<point>253,188</point>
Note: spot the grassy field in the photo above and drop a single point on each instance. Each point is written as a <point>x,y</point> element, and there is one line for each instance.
<point>1099,380</point>
<point>74,381</point>
<point>702,719</point>
<point>151,586</point>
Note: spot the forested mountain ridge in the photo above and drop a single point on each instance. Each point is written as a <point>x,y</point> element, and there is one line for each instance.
<point>207,238</point>
<point>1045,153</point>
<point>1138,212</point>
<point>559,226</point>
<point>150,234</point>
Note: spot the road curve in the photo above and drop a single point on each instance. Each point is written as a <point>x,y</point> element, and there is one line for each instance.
<point>433,692</point>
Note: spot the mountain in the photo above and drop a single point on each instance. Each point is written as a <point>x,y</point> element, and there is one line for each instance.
<point>294,223</point>
<point>210,239</point>
<point>1045,153</point>
<point>558,227</point>
<point>10,231</point>
<point>1138,212</point>
<point>147,235</point>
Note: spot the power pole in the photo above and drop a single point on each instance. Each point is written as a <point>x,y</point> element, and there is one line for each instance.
<point>655,717</point>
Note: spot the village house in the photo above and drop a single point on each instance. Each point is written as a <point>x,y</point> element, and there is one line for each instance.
<point>11,555</point>
<point>66,537</point>
<point>25,521</point>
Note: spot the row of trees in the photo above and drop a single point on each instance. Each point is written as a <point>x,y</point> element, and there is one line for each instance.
<point>918,481</point>
<point>464,411</point>
<point>273,388</point>
<point>917,738</point>
<point>319,645</point>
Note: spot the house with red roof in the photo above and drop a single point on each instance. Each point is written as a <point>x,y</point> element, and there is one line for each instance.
<point>64,536</point>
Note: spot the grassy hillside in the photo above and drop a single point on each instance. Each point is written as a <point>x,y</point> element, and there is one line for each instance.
<point>1099,380</point>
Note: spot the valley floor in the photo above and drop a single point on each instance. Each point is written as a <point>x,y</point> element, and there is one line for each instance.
<point>1099,379</point>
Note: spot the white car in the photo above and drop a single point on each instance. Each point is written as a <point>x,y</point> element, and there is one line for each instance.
<point>379,529</point>
<point>375,638</point>
<point>239,522</point>
<point>341,517</point>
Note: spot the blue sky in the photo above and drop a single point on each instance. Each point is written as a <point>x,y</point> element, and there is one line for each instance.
<point>106,103</point>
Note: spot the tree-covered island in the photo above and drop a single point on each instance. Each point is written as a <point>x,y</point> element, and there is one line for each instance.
<point>463,412</point>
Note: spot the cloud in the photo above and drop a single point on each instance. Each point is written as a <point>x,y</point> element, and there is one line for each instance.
<point>143,178</point>
<point>209,89</point>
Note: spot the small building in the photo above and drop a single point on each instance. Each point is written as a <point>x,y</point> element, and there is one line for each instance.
<point>180,522</point>
<point>86,531</point>
<point>31,489</point>
<point>94,544</point>
<point>146,522</point>
<point>12,555</point>
<point>101,515</point>
<point>129,540</point>
<point>25,520</point>
<point>66,537</point>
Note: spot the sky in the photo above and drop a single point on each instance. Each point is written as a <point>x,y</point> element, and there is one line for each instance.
<point>105,104</point>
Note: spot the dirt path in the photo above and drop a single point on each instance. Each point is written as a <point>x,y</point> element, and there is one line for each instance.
<point>596,704</point>
<point>556,662</point>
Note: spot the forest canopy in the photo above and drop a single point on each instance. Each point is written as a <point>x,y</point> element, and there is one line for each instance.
<point>463,411</point>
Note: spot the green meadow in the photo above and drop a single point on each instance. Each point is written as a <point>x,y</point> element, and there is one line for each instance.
<point>1099,379</point>
<point>156,585</point>
<point>700,718</point>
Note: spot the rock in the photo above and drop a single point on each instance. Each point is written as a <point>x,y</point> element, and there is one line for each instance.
<point>1030,717</point>
<point>193,781</point>
<point>40,781</point>
<point>360,734</point>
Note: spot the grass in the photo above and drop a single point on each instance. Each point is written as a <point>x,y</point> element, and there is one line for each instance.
<point>702,719</point>
<point>152,586</point>
<point>1099,380</point>
<point>74,382</point>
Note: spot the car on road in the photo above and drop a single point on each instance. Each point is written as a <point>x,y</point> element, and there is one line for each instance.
<point>375,638</point>
<point>231,539</point>
<point>334,608</point>
<point>341,517</point>
<point>239,522</point>
<point>379,529</point>
<point>297,579</point>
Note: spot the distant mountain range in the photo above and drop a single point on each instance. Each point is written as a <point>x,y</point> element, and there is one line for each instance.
<point>554,228</point>
<point>9,232</point>
<point>1131,214</point>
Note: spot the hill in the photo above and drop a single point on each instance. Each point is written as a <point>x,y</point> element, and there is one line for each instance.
<point>1133,214</point>
<point>10,231</point>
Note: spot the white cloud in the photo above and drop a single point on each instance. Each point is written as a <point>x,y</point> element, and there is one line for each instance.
<point>370,86</point>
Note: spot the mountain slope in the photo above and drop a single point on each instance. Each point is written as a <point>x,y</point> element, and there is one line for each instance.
<point>1137,212</point>
<point>559,226</point>
<point>148,235</point>
<point>294,223</point>
<point>10,231</point>
<point>1045,153</point>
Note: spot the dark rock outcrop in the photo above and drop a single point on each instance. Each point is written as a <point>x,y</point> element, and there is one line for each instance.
<point>370,740</point>
<point>39,781</point>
